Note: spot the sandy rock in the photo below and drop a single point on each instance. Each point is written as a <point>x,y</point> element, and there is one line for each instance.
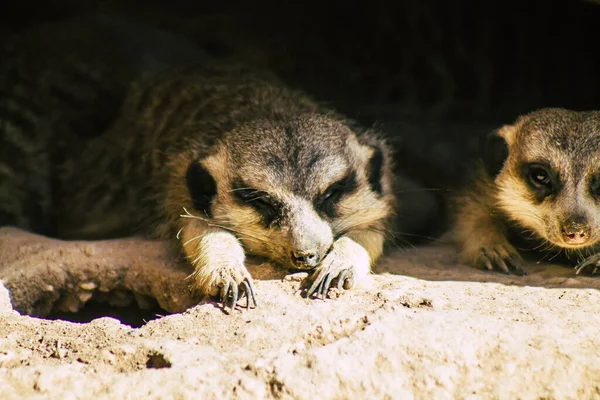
<point>422,327</point>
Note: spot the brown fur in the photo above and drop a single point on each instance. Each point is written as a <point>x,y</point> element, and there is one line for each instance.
<point>497,212</point>
<point>240,126</point>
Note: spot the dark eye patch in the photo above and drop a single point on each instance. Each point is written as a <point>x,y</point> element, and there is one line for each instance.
<point>326,202</point>
<point>595,186</point>
<point>269,208</point>
<point>201,186</point>
<point>542,179</point>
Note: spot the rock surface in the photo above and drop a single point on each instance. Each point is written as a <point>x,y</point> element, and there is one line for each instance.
<point>422,327</point>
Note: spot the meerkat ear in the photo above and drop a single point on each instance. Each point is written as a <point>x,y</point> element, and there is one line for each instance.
<point>495,149</point>
<point>201,186</point>
<point>375,170</point>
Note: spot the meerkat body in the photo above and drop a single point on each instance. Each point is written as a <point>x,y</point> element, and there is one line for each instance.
<point>233,163</point>
<point>536,188</point>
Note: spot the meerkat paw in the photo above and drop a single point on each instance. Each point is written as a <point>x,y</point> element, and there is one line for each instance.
<point>219,268</point>
<point>502,258</point>
<point>589,263</point>
<point>348,263</point>
<point>229,281</point>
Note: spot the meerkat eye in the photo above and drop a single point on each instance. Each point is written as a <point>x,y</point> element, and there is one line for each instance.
<point>261,201</point>
<point>332,193</point>
<point>264,205</point>
<point>539,176</point>
<point>331,196</point>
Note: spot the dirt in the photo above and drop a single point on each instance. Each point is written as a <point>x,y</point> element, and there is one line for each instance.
<point>422,327</point>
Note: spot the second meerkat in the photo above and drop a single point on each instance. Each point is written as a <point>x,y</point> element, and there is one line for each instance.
<point>537,187</point>
<point>234,163</point>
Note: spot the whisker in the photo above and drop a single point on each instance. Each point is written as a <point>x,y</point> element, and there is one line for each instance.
<point>188,215</point>
<point>539,246</point>
<point>415,235</point>
<point>388,233</point>
<point>403,245</point>
<point>191,240</point>
<point>392,238</point>
<point>228,228</point>
<point>546,251</point>
<point>522,212</point>
<point>557,253</point>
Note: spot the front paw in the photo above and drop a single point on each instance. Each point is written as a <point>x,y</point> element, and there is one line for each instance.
<point>229,280</point>
<point>348,263</point>
<point>502,258</point>
<point>589,263</point>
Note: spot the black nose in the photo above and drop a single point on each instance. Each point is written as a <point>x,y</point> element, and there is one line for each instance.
<point>306,259</point>
<point>575,234</point>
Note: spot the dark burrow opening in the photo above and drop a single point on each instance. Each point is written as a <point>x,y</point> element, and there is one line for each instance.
<point>132,310</point>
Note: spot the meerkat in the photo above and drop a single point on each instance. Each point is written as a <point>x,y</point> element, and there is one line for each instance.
<point>231,162</point>
<point>62,83</point>
<point>537,187</point>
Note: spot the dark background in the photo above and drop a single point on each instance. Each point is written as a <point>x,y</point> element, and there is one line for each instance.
<point>431,74</point>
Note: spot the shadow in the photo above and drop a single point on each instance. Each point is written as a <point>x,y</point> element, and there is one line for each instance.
<point>132,314</point>
<point>264,270</point>
<point>437,262</point>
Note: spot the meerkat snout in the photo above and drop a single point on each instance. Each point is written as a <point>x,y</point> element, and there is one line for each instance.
<point>310,237</point>
<point>306,259</point>
<point>575,232</point>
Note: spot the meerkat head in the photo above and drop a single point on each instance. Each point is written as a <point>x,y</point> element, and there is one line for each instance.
<point>288,188</point>
<point>547,170</point>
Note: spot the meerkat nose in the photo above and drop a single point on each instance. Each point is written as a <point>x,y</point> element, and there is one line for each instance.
<point>306,259</point>
<point>575,234</point>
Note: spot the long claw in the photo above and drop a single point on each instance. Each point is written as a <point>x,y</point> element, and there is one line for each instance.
<point>327,283</point>
<point>517,266</point>
<point>508,265</point>
<point>595,259</point>
<point>316,284</point>
<point>234,295</point>
<point>488,264</point>
<point>225,293</point>
<point>322,286</point>
<point>503,266</point>
<point>341,279</point>
<point>246,291</point>
<point>349,280</point>
<point>251,286</point>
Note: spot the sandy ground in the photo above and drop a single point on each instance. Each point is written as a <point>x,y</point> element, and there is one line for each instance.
<point>422,327</point>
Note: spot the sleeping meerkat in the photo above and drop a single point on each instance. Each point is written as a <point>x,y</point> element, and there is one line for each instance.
<point>234,163</point>
<point>537,188</point>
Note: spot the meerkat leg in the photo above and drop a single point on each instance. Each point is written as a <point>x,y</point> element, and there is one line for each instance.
<point>482,238</point>
<point>349,261</point>
<point>218,260</point>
